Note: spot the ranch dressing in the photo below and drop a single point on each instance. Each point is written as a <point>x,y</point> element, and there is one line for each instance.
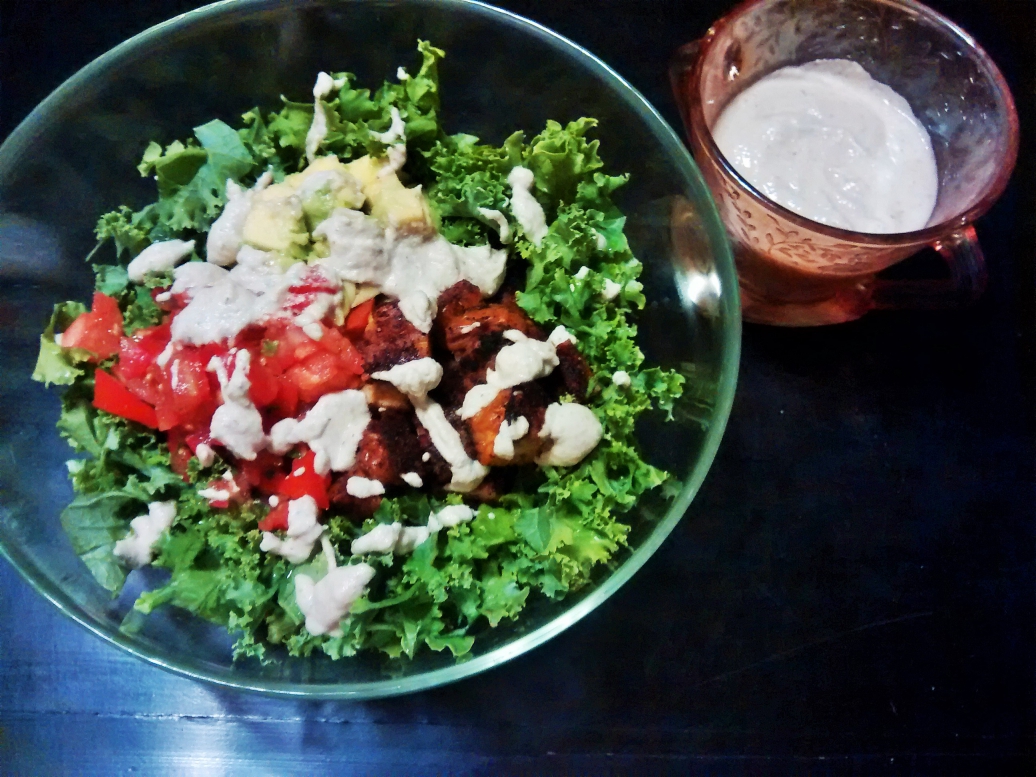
<point>830,143</point>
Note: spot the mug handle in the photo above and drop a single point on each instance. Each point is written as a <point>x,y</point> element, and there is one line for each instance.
<point>680,68</point>
<point>963,256</point>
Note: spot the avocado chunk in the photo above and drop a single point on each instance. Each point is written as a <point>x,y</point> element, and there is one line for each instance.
<point>275,221</point>
<point>392,203</point>
<point>323,186</point>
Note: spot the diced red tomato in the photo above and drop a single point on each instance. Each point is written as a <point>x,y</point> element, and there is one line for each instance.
<point>262,472</point>
<point>304,480</point>
<point>112,397</point>
<point>263,384</point>
<point>347,353</point>
<point>201,437</point>
<point>148,388</point>
<point>353,359</point>
<point>206,352</point>
<point>276,519</point>
<point>314,281</point>
<point>356,321</point>
<point>164,410</point>
<point>138,353</point>
<point>180,452</point>
<point>98,332</point>
<point>321,373</point>
<point>188,381</point>
<point>287,402</point>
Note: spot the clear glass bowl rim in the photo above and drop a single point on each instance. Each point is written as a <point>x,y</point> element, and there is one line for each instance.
<point>731,346</point>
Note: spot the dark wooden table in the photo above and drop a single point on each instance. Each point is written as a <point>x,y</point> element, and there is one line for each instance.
<point>852,591</point>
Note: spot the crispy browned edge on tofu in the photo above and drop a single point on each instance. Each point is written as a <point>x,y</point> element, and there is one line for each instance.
<point>466,335</point>
<point>390,339</point>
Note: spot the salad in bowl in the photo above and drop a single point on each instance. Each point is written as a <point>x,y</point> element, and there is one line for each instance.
<point>355,383</point>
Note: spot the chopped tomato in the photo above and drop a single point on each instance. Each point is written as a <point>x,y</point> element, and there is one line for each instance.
<point>262,472</point>
<point>262,389</point>
<point>112,397</point>
<point>276,519</point>
<point>304,480</point>
<point>357,319</point>
<point>98,332</point>
<point>189,382</point>
<point>165,412</point>
<point>314,282</point>
<point>206,352</point>
<point>149,387</point>
<point>200,437</point>
<point>333,342</point>
<point>287,402</point>
<point>352,359</point>
<point>138,353</point>
<point>180,451</point>
<point>321,373</point>
<point>251,339</point>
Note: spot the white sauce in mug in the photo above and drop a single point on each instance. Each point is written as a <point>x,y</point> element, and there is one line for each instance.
<point>830,143</point>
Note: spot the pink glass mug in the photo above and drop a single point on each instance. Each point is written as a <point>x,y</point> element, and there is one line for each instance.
<point>797,272</point>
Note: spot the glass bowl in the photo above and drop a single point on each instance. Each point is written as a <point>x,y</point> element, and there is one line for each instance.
<point>73,159</point>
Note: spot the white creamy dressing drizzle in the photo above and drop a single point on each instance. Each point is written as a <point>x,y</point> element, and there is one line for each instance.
<point>333,429</point>
<point>381,539</point>
<point>135,549</point>
<point>621,378</point>
<point>224,302</point>
<point>610,290</point>
<point>507,435</point>
<point>450,516</point>
<point>526,210</point>
<point>303,532</point>
<point>158,257</point>
<point>396,133</point>
<point>328,600</point>
<point>237,423</point>
<point>416,379</point>
<point>412,479</point>
<point>829,142</point>
<point>361,488</point>
<point>213,494</point>
<point>499,220</point>
<point>582,272</point>
<point>395,159</point>
<point>309,319</point>
<point>467,473</point>
<point>206,455</point>
<point>318,129</point>
<point>396,538</point>
<point>415,270</point>
<point>574,430</point>
<point>560,335</point>
<point>224,240</point>
<point>522,361</point>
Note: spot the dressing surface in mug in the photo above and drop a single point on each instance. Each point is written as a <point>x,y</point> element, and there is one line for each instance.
<point>830,143</point>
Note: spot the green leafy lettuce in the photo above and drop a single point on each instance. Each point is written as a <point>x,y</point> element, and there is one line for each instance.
<point>543,540</point>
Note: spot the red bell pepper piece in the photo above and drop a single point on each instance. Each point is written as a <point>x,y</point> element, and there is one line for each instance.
<point>356,321</point>
<point>304,480</point>
<point>112,397</point>
<point>276,519</point>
